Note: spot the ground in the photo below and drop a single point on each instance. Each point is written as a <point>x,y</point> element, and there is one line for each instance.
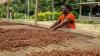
<point>88,29</point>
<point>74,43</point>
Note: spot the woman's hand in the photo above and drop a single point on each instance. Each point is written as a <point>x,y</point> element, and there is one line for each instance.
<point>52,29</point>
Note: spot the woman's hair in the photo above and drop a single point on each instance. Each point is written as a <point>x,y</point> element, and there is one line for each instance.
<point>68,6</point>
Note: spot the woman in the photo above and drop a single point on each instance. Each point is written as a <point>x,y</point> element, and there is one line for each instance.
<point>66,19</point>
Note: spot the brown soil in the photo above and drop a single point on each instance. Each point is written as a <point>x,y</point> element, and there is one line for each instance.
<point>5,23</point>
<point>65,53</point>
<point>35,36</point>
<point>40,37</point>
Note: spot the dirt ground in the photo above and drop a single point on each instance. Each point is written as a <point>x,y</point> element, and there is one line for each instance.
<point>25,40</point>
<point>87,29</point>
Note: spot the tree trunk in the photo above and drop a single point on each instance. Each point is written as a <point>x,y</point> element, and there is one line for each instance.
<point>52,9</point>
<point>28,11</point>
<point>36,11</point>
<point>7,7</point>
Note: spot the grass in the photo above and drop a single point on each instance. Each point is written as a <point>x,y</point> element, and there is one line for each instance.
<point>87,21</point>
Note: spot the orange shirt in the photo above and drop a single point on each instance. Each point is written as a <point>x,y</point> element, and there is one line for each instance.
<point>71,17</point>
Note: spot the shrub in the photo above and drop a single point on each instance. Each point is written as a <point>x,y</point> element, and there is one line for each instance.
<point>2,12</point>
<point>19,15</point>
<point>91,22</point>
<point>46,16</point>
<point>42,17</point>
<point>76,14</point>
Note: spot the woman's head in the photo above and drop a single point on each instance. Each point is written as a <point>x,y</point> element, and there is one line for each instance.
<point>66,8</point>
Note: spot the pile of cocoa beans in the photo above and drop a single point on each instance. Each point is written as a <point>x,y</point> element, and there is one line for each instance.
<point>65,53</point>
<point>35,36</point>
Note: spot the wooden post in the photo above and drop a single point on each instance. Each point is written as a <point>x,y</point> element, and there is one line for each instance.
<point>7,7</point>
<point>28,8</point>
<point>80,11</point>
<point>25,17</point>
<point>52,9</point>
<point>10,15</point>
<point>90,15</point>
<point>36,11</point>
<point>91,10</point>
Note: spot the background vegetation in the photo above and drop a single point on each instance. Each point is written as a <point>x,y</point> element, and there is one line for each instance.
<point>19,9</point>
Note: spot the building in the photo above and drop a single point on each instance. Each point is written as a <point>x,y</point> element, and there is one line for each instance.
<point>90,7</point>
<point>84,7</point>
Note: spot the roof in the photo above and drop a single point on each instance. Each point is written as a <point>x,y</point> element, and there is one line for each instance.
<point>89,3</point>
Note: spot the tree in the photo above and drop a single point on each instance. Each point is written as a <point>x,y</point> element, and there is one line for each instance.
<point>36,11</point>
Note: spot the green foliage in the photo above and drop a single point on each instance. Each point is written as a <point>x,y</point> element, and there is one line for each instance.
<point>46,16</point>
<point>76,14</point>
<point>45,5</point>
<point>56,15</point>
<point>91,22</point>
<point>21,6</point>
<point>2,11</point>
<point>31,7</point>
<point>41,17</point>
<point>18,15</point>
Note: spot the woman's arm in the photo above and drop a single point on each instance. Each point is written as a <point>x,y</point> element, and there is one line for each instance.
<point>66,21</point>
<point>55,24</point>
